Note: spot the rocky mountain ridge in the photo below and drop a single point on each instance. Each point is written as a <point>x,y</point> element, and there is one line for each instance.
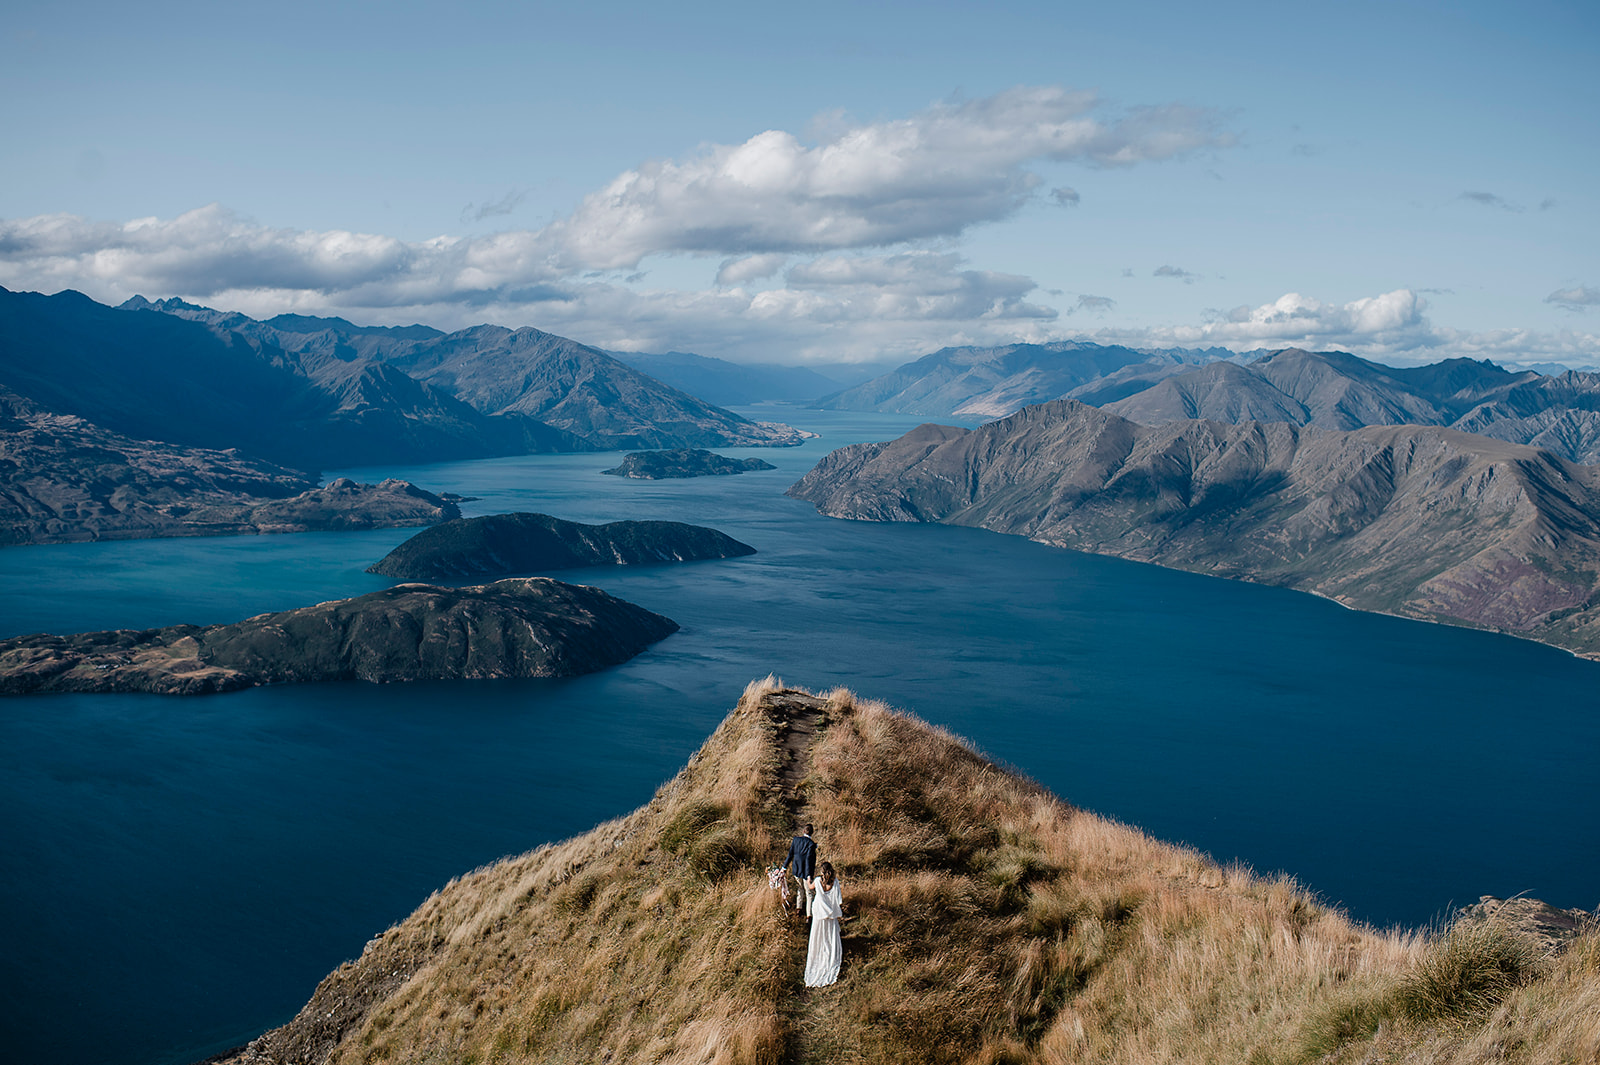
<point>1419,521</point>
<point>154,376</point>
<point>511,373</point>
<point>992,382</point>
<point>1332,390</point>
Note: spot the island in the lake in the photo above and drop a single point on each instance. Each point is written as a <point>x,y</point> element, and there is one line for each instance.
<point>984,920</point>
<point>530,627</point>
<point>683,462</point>
<point>526,543</point>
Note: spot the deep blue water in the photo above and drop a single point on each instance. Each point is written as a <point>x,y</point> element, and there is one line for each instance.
<point>180,872</point>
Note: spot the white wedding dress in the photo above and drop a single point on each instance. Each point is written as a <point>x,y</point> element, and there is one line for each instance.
<point>826,946</point>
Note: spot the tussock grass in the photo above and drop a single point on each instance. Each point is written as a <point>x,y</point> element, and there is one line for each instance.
<point>1469,969</point>
<point>987,922</point>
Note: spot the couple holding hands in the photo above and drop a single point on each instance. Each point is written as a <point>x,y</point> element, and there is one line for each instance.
<point>819,898</point>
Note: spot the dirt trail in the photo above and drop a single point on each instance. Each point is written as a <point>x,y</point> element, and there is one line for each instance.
<point>800,719</point>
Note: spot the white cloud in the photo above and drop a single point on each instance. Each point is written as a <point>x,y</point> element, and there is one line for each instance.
<point>1489,199</point>
<point>1172,271</point>
<point>933,174</point>
<point>837,308</point>
<point>1394,317</point>
<point>205,251</point>
<point>1392,327</point>
<point>1577,298</point>
<point>505,205</point>
<point>750,268</point>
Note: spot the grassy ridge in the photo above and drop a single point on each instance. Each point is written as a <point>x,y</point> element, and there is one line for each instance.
<point>987,922</point>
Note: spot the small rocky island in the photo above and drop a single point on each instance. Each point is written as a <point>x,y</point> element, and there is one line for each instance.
<point>683,462</point>
<point>529,627</point>
<point>499,544</point>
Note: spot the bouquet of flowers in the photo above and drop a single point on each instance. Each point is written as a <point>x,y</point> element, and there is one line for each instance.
<point>778,880</point>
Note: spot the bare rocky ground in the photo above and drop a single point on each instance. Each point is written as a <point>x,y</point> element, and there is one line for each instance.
<point>1552,928</point>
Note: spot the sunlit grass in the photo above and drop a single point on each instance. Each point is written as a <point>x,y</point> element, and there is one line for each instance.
<point>987,921</point>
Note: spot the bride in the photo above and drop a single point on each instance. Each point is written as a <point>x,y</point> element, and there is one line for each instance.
<point>826,947</point>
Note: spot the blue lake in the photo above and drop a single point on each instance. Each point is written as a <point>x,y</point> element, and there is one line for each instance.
<point>181,872</point>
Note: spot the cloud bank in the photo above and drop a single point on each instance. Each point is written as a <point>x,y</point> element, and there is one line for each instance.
<point>830,250</point>
<point>1391,327</point>
<point>932,175</point>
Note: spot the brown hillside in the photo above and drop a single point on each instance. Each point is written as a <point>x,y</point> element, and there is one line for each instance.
<point>986,921</point>
<point>1412,520</point>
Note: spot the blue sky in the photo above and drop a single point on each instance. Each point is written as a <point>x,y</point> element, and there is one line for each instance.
<point>825,182</point>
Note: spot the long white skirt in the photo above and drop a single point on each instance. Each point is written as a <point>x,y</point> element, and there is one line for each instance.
<point>823,952</point>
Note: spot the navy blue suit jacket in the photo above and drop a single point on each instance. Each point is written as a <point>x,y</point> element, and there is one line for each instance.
<point>802,859</point>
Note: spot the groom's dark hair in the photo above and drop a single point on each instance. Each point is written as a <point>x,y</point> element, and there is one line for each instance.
<point>808,828</point>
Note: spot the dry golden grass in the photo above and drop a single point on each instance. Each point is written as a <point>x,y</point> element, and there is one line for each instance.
<point>987,922</point>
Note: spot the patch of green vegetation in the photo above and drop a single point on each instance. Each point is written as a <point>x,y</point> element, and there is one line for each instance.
<point>1467,972</point>
<point>720,852</point>
<point>690,822</point>
<point>1344,1021</point>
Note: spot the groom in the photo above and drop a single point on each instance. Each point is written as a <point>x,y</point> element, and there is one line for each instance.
<point>802,862</point>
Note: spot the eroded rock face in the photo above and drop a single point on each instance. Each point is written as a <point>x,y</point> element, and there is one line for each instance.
<point>683,462</point>
<point>1549,926</point>
<point>529,627</point>
<point>1420,521</point>
<point>525,543</point>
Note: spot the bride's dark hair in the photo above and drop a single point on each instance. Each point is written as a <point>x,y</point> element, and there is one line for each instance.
<point>827,876</point>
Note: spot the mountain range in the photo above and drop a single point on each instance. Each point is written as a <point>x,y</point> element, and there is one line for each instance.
<point>1421,521</point>
<point>1330,389</point>
<point>1559,412</point>
<point>518,374</point>
<point>976,382</point>
<point>318,392</point>
<point>165,418</point>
